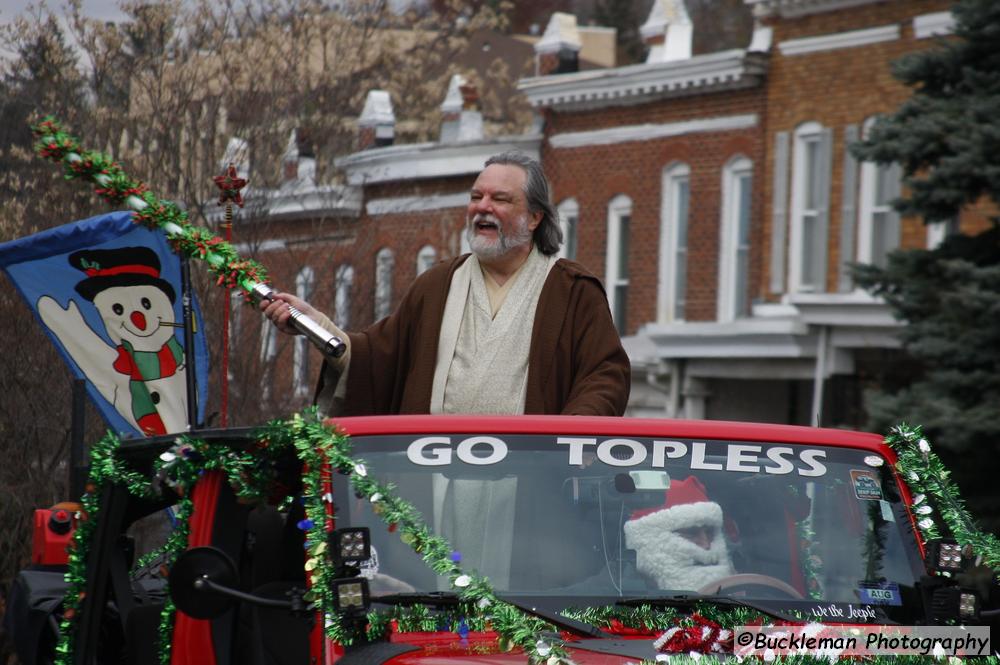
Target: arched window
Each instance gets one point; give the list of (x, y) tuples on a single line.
[(734, 241), (385, 262), (426, 257), (810, 208), (616, 275), (675, 197), (878, 222), (569, 218), (342, 295), (300, 357)]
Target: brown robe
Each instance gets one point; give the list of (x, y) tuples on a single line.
[(576, 364)]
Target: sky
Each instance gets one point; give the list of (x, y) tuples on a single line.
[(106, 10)]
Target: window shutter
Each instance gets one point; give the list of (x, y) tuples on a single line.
[(848, 211), (823, 205), (779, 212)]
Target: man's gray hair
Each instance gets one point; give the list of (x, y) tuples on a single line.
[(548, 236)]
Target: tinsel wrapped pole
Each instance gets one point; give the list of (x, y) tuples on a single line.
[(229, 185), (115, 186)]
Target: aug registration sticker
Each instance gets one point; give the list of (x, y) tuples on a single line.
[(866, 485), (879, 593)]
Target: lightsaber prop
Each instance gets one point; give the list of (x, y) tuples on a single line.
[(323, 339), (116, 187)]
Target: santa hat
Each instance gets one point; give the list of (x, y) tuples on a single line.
[(686, 505)]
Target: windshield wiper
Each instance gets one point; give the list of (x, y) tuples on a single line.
[(436, 598), (451, 599), (559, 621), (689, 599)]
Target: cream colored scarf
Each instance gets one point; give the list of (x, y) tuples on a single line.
[(482, 361)]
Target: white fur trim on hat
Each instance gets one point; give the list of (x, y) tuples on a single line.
[(683, 516)]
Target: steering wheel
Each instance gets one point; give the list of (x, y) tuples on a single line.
[(748, 580)]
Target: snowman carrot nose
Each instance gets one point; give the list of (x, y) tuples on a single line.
[(138, 320)]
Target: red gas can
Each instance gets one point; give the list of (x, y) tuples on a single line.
[(54, 529)]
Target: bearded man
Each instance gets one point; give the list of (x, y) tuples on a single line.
[(680, 545), (507, 329)]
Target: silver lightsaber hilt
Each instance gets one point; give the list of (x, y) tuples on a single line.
[(323, 339)]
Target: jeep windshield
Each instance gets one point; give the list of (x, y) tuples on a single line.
[(573, 521)]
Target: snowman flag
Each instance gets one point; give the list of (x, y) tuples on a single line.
[(108, 293)]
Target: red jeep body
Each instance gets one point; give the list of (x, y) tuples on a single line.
[(814, 520)]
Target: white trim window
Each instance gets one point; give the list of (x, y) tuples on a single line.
[(810, 208), (426, 257), (878, 221), (619, 220), (385, 263), (300, 353), (343, 288), (675, 199), (569, 220), (734, 247)]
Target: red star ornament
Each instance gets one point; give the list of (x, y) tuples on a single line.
[(229, 186)]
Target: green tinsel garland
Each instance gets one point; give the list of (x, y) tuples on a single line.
[(115, 186), (104, 467), (930, 482), (249, 473), (319, 449)]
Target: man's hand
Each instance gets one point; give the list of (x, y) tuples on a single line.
[(279, 314)]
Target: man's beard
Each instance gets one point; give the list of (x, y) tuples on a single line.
[(674, 562), (486, 248)]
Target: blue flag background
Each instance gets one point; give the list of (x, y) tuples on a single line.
[(129, 344)]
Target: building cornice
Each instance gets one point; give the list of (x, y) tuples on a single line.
[(794, 8), (650, 131), (933, 25), (839, 40), (298, 201), (407, 204), (430, 160), (600, 88)]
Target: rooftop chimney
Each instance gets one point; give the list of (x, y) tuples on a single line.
[(460, 116), (667, 32), (237, 153), (297, 164), (557, 52), (377, 124)]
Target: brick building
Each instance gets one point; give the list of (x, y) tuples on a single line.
[(712, 192)]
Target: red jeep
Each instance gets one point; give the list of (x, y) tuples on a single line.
[(575, 521)]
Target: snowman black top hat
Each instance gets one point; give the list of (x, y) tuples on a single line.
[(124, 266)]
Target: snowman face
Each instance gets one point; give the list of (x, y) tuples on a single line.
[(140, 315)]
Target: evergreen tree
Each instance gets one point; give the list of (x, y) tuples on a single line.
[(947, 139), (947, 135)]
